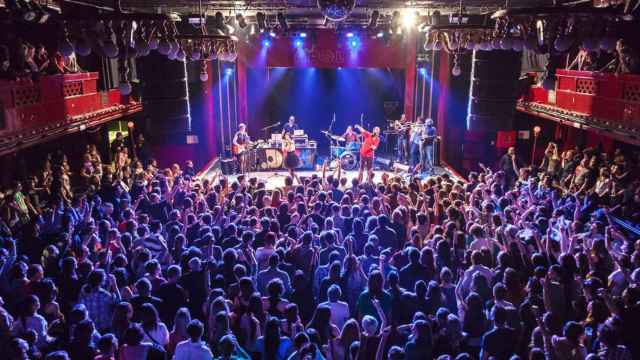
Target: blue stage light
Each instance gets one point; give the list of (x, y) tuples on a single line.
[(228, 71), (298, 43), (266, 42), (349, 34), (303, 34), (354, 43), (423, 71)]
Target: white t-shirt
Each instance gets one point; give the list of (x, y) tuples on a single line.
[(187, 350), (339, 312)]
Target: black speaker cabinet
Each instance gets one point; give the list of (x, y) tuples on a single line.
[(229, 166)]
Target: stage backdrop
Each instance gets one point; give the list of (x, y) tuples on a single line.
[(315, 96), (377, 79)]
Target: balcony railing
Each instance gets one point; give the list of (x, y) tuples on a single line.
[(600, 100), (32, 112)]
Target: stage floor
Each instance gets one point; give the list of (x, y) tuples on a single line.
[(275, 178)]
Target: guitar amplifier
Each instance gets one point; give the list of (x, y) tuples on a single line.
[(307, 158), (301, 141), (229, 166)]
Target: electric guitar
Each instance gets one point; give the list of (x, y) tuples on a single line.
[(237, 149)]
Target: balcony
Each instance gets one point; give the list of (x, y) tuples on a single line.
[(603, 102), (57, 105)]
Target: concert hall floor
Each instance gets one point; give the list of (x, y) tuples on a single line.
[(275, 179)]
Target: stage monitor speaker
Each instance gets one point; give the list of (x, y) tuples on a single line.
[(307, 158), (229, 166), (383, 163)]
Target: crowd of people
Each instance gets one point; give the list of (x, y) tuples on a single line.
[(124, 260), (22, 60)]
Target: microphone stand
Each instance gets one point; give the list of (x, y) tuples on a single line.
[(266, 128)]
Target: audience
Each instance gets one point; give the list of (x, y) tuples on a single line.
[(125, 260)]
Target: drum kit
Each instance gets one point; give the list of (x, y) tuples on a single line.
[(345, 154)]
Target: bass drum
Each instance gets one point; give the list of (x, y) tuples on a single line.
[(348, 161), (267, 159), (274, 159)]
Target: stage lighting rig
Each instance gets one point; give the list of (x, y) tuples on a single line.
[(242, 22), (282, 22), (261, 20)]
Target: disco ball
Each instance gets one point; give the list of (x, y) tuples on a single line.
[(336, 10)]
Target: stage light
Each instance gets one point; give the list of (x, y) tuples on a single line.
[(298, 43), (261, 20), (272, 34), (266, 43), (456, 71), (349, 34), (380, 34), (395, 19), (409, 18), (242, 22), (303, 34), (354, 43), (375, 16), (228, 71), (282, 21), (423, 71)]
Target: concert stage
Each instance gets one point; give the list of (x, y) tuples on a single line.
[(275, 179)]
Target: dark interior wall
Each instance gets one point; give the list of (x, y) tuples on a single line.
[(456, 97)]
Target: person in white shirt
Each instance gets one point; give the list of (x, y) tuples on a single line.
[(194, 348), (339, 309)]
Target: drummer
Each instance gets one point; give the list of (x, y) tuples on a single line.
[(351, 139)]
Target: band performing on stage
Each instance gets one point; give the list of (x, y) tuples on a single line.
[(408, 143)]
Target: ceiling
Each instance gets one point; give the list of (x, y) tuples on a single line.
[(298, 6)]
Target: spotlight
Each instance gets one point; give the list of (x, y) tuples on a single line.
[(354, 43), (303, 34), (298, 43), (261, 20), (204, 76), (282, 21), (242, 22), (272, 34), (349, 34), (266, 43), (456, 71), (220, 28), (375, 16), (423, 71), (395, 19), (228, 71), (380, 34), (409, 18)]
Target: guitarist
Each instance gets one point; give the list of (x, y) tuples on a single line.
[(240, 146), (426, 147)]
